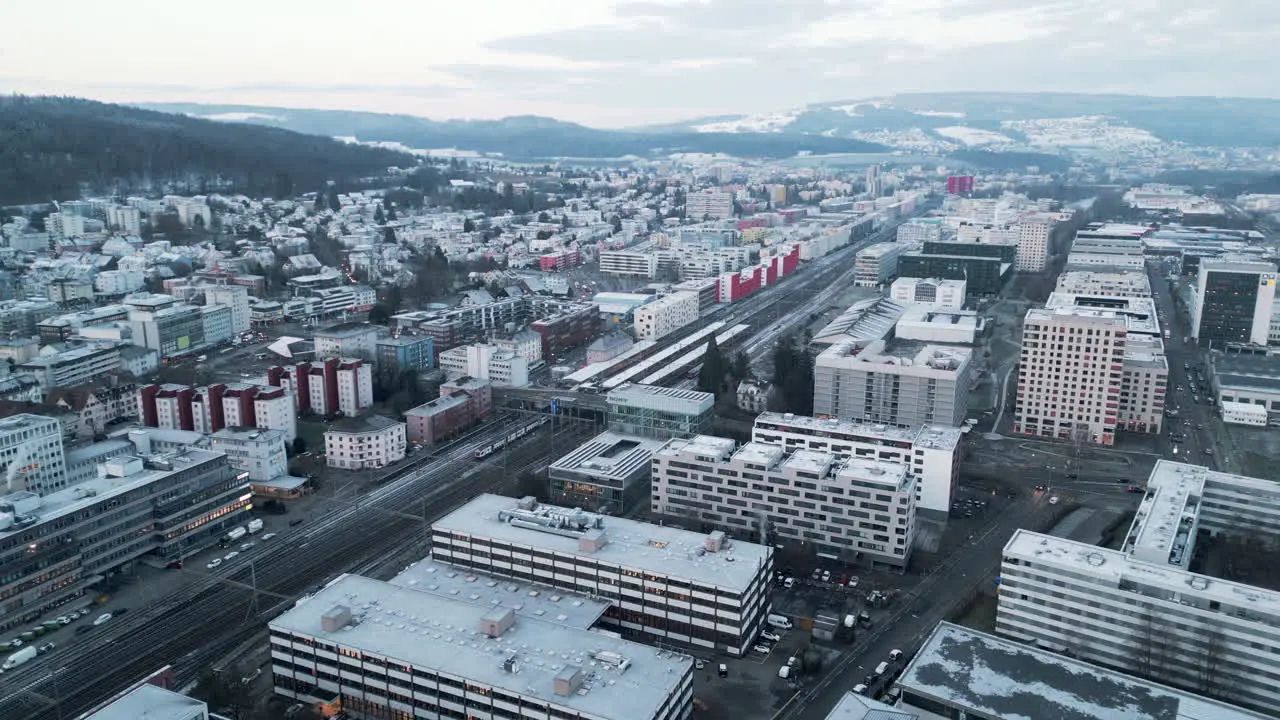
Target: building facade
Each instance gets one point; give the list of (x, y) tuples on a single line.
[(1234, 302), (608, 474), (77, 366), (852, 509), (900, 383), (667, 314), (659, 412), (260, 453), (32, 455), (365, 442), (877, 264), (487, 362), (1033, 244), (713, 204), (935, 292)]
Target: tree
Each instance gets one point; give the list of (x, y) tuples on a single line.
[(742, 366), (379, 216), (391, 212), (468, 225), (617, 224), (711, 377), (380, 314), (299, 445), (334, 203), (543, 217), (389, 236)]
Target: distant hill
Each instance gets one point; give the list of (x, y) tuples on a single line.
[(519, 138), (55, 148)]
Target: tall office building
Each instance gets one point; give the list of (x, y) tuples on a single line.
[(714, 204), (1234, 302), (873, 181), (1141, 609), (1033, 244), (897, 382)]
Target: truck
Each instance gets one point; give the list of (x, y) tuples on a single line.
[(254, 526), (20, 657), (235, 534)]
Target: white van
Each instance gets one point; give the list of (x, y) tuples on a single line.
[(881, 668), (894, 655), (779, 621)]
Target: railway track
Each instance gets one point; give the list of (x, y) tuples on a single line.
[(204, 620)]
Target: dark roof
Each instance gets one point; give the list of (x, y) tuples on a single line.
[(365, 423)]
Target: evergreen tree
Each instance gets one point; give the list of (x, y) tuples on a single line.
[(334, 204), (468, 225), (711, 377), (389, 236), (391, 212), (379, 216), (742, 366)]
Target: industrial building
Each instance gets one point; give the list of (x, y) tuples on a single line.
[(1141, 609), (929, 291), (1245, 379), (854, 509), (659, 412), (608, 474), (375, 649), (896, 382), (931, 452), (666, 585), (959, 672)]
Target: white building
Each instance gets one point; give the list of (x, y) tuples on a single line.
[(261, 453), (929, 291), (124, 219), (665, 315), (666, 584), (931, 452), (31, 454), (1139, 609), (355, 387), (362, 640), (525, 343), (1033, 244), (899, 383), (152, 702), (628, 263), (876, 264), (852, 508), (930, 325), (917, 232), (1239, 413), (119, 282), (77, 366), (235, 297), (349, 340), (356, 443), (713, 204), (63, 226), (1234, 302), (486, 362), (217, 324), (1134, 283)]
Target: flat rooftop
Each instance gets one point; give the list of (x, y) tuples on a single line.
[(810, 461), (899, 353), (1163, 528), (635, 393), (703, 445), (869, 319), (878, 472), (433, 632), (656, 549), (537, 602), (610, 455), (1005, 680), (931, 436), (858, 707), (149, 702), (1140, 312)]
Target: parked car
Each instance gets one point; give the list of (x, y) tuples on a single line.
[(214, 563), (268, 536), (102, 619), (771, 637), (1053, 500)]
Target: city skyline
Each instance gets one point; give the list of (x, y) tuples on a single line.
[(620, 63)]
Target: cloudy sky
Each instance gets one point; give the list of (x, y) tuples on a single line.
[(613, 63)]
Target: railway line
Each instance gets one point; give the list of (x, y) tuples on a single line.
[(204, 620)]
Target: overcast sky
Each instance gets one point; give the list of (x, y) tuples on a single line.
[(614, 63)]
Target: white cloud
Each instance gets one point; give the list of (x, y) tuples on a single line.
[(917, 24)]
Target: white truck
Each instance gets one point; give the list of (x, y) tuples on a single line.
[(235, 534), (254, 526), (22, 656)]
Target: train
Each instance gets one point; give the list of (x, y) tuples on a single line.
[(514, 435)]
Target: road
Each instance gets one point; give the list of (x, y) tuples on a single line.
[(197, 624)]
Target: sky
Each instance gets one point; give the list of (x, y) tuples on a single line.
[(618, 63)]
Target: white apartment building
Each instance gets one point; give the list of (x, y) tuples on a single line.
[(665, 584), (895, 382), (1234, 302), (665, 315), (1134, 283), (235, 297), (525, 343), (355, 387), (917, 232), (851, 509), (628, 263), (713, 204), (876, 264), (1139, 609), (119, 282), (277, 409), (348, 340), (216, 324), (392, 651), (31, 454), (932, 453), (261, 453), (77, 366), (124, 219), (357, 443), (935, 292), (1033, 244), (486, 362), (62, 226)]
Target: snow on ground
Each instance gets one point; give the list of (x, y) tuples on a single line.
[(937, 113), (401, 147), (240, 117), (973, 136), (913, 139), (1095, 131), (765, 122)]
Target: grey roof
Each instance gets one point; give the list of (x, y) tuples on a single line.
[(998, 678), (152, 703), (363, 424), (609, 455), (658, 549), (434, 632), (858, 707)]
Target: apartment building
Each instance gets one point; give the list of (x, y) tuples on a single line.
[(653, 411), (1140, 609), (487, 362), (851, 509), (96, 405), (216, 324), (1033, 244), (877, 264), (1133, 283), (931, 452), (397, 355), (335, 385), (260, 453), (899, 382), (31, 454), (209, 409), (235, 297), (76, 366), (384, 650), (917, 232), (708, 204), (53, 548), (608, 473), (665, 584), (357, 443), (1234, 302), (660, 318), (934, 292), (628, 263), (347, 340)]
